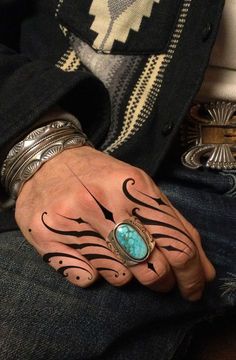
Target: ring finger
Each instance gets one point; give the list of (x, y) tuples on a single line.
[(154, 272)]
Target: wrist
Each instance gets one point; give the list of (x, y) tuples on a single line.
[(41, 145)]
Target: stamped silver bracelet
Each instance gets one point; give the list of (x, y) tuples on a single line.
[(17, 161), (39, 146), (30, 140)]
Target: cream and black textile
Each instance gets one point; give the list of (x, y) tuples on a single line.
[(128, 69)]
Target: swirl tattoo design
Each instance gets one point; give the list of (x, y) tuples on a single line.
[(63, 270), (89, 255), (147, 221), (103, 262)]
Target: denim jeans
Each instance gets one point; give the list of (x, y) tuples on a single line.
[(42, 316)]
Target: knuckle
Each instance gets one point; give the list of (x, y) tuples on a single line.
[(121, 281), (193, 287), (195, 234), (163, 271), (183, 258), (62, 207), (86, 200), (35, 219), (40, 236), (138, 174), (149, 279), (81, 279)]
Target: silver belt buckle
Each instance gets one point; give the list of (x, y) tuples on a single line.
[(210, 132)]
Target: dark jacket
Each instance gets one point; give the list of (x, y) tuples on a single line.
[(168, 41)]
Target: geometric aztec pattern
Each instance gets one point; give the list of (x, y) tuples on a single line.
[(69, 61), (115, 72), (113, 20), (131, 106)]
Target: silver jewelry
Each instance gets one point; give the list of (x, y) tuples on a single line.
[(42, 144), (211, 133), (131, 242)]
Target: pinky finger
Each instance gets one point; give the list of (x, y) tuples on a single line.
[(71, 264), (208, 268)]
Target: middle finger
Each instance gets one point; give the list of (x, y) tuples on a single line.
[(155, 272)]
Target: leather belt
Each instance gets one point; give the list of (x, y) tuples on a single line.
[(210, 135)]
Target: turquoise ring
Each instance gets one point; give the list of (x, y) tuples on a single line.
[(131, 242)]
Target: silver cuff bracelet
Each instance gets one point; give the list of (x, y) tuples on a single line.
[(39, 146)]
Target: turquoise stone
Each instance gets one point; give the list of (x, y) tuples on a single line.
[(131, 241)]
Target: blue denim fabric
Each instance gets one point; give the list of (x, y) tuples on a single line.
[(207, 198), (43, 317)]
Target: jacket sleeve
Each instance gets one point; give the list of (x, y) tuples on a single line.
[(29, 87)]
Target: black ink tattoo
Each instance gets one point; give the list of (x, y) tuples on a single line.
[(48, 257), (151, 267), (84, 245), (159, 200), (116, 273), (78, 234), (100, 256), (93, 256), (140, 202), (90, 256), (147, 221), (172, 248), (164, 236), (106, 212), (78, 220), (62, 270)]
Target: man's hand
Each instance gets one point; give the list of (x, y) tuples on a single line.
[(68, 208)]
